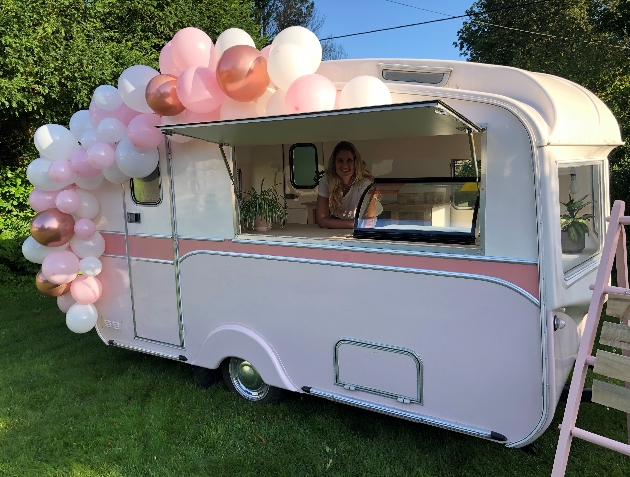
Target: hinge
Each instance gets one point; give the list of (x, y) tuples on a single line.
[(403, 400)]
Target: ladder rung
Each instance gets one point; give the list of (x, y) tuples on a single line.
[(601, 440), (624, 220), (615, 290)]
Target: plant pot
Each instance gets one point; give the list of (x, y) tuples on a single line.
[(569, 246), (261, 225)]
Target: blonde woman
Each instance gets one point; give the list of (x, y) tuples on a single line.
[(341, 187)]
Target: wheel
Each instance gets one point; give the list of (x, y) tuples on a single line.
[(206, 377), (241, 378)]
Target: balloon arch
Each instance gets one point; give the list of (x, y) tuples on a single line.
[(116, 139)]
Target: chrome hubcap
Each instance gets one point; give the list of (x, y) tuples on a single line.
[(246, 380)]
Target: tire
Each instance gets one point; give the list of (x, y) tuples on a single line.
[(206, 377), (242, 379)]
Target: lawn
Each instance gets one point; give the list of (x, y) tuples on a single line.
[(71, 406)]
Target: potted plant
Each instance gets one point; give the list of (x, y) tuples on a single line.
[(260, 210), (574, 228)]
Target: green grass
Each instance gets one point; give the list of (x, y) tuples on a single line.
[(71, 406)]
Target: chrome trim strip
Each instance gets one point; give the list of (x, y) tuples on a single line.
[(133, 308), (418, 418), (152, 260), (201, 239), (419, 271), (152, 236), (161, 343), (111, 232), (98, 332), (111, 255), (143, 350), (381, 347)]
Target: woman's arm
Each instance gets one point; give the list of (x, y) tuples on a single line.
[(323, 216)]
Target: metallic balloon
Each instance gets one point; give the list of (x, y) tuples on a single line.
[(52, 227), (161, 95), (49, 288), (242, 73)]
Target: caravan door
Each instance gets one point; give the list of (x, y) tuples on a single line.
[(151, 253)]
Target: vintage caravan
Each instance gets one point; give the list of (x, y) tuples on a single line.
[(458, 305)]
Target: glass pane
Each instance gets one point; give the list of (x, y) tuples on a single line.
[(420, 210), (303, 166), (580, 213), (146, 190)]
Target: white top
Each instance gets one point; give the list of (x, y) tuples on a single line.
[(350, 201)]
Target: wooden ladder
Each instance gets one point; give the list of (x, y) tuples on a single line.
[(616, 335)]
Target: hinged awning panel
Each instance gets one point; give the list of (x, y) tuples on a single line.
[(428, 118)]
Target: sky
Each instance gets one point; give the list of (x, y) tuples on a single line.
[(432, 41)]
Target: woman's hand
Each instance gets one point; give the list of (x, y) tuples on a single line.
[(322, 213)]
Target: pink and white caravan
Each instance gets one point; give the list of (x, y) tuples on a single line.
[(459, 305)]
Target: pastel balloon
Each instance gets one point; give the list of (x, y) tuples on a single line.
[(80, 122), (81, 318), (81, 166), (90, 266), (265, 51), (84, 228), (276, 104), (142, 132), (179, 119), (55, 142), (167, 65), (88, 207), (190, 47), (242, 73), (198, 90), (89, 138), (310, 93), (304, 38), (123, 113), (61, 171), (132, 85), (364, 91), (52, 228), (231, 109), (100, 155), (287, 62), (93, 246), (68, 201), (37, 174), (61, 266), (65, 301), (192, 117), (161, 95), (86, 290), (40, 199), (48, 288), (90, 183), (232, 37), (107, 97), (111, 130), (114, 175), (135, 162), (35, 252)]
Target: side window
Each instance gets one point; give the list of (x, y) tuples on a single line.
[(303, 166), (147, 190)]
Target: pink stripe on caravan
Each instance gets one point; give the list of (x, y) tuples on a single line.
[(140, 247), (114, 244)]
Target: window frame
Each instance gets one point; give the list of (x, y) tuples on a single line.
[(291, 174), (147, 204)]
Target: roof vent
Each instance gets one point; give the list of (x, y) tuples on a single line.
[(424, 75)]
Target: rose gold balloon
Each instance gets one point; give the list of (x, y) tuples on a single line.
[(161, 95), (52, 227), (242, 73), (49, 288)]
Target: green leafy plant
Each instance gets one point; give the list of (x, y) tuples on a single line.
[(575, 226), (265, 205)]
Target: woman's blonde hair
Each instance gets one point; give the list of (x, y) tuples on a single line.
[(335, 189)]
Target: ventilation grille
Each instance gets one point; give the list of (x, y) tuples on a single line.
[(424, 75)]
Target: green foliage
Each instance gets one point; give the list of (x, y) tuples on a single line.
[(575, 226), (265, 205)]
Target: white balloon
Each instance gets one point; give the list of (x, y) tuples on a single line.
[(111, 130), (90, 266), (81, 318), (90, 247), (276, 105), (107, 97), (304, 38), (37, 174), (65, 301), (179, 119), (231, 109), (89, 138), (286, 63), (114, 175), (364, 91), (89, 205), (80, 122), (232, 37), (261, 103), (55, 142), (35, 252), (90, 183), (132, 85), (136, 162)]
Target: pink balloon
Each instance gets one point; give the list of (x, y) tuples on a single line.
[(142, 133), (81, 166), (198, 90), (61, 170), (68, 201), (123, 113), (310, 93), (61, 266), (167, 65), (191, 47), (265, 51), (101, 155), (192, 117), (41, 200), (84, 228), (86, 290)]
